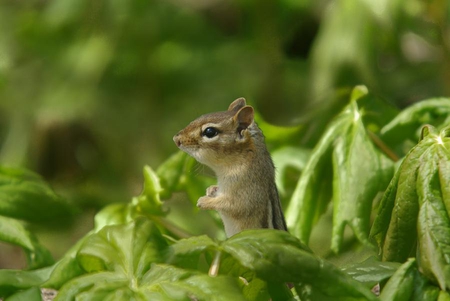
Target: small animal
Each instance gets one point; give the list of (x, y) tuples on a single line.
[(232, 145)]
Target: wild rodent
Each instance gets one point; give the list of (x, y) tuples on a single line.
[(232, 145)]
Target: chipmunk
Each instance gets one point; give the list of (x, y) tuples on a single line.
[(232, 145)]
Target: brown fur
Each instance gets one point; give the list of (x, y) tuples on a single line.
[(246, 196)]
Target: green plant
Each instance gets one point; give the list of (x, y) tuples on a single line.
[(135, 252)]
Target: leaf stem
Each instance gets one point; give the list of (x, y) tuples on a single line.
[(378, 142), (171, 227), (214, 269)]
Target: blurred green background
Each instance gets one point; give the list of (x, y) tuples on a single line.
[(91, 91)]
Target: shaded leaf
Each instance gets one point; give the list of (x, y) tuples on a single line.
[(407, 123), (12, 231), (371, 271), (401, 285), (14, 280), (31, 294), (24, 195)]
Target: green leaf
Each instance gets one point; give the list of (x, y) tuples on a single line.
[(277, 256), (149, 202), (401, 285), (433, 221), (170, 173), (31, 294), (418, 215), (12, 231), (309, 199), (178, 173), (114, 214), (14, 280), (407, 123), (114, 261), (285, 158), (443, 296), (24, 196), (278, 135), (92, 283), (371, 271), (129, 248), (186, 252), (176, 284), (394, 227), (358, 172)]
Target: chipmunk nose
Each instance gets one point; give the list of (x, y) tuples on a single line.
[(177, 140)]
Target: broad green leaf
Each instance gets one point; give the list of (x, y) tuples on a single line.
[(129, 248), (170, 173), (277, 256), (418, 214), (443, 296), (285, 158), (433, 221), (114, 261), (278, 135), (67, 267), (14, 280), (31, 294), (176, 284), (371, 271), (92, 282), (182, 173), (312, 192), (186, 252), (394, 227), (357, 173), (114, 214), (407, 123), (24, 196), (149, 202), (401, 285), (12, 231)]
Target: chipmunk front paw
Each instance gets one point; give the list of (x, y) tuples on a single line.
[(204, 202), (212, 190)]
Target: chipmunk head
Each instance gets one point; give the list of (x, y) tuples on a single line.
[(216, 139)]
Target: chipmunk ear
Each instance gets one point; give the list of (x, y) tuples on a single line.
[(237, 105), (244, 117)]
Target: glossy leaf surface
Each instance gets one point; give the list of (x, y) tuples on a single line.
[(346, 167)]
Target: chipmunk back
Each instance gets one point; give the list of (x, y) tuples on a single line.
[(233, 146)]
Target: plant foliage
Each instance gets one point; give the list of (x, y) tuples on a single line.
[(135, 253)]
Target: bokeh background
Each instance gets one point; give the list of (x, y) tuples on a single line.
[(92, 90)]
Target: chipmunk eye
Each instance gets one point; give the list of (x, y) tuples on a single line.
[(210, 132)]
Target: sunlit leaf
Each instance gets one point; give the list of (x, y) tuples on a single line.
[(129, 248), (357, 173), (176, 284), (149, 202)]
